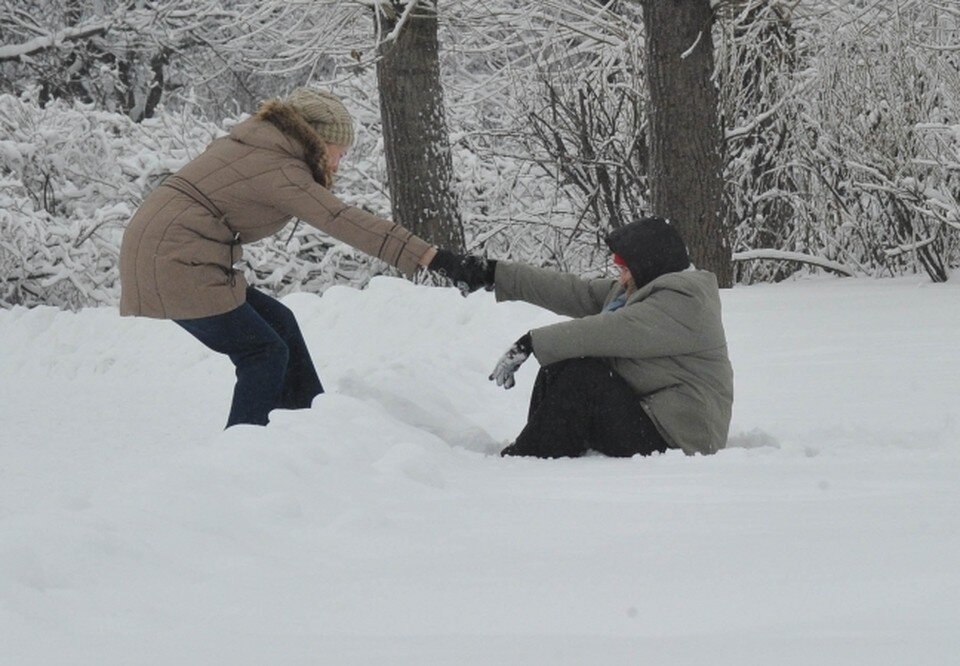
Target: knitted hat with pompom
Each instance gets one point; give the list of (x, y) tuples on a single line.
[(327, 114)]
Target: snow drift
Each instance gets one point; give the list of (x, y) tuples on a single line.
[(381, 527)]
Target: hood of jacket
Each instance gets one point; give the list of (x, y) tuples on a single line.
[(651, 247), (297, 137)]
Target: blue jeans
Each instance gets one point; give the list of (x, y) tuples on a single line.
[(274, 369)]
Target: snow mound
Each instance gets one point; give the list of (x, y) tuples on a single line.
[(381, 526)]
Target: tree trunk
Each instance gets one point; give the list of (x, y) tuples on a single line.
[(686, 142), (415, 140)]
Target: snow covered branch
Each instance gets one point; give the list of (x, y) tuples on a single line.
[(401, 22), (909, 247), (841, 120), (797, 257), (765, 116), (41, 42)]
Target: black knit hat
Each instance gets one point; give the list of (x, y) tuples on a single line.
[(650, 247)]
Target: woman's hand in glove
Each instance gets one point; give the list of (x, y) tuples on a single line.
[(511, 361), (468, 272)]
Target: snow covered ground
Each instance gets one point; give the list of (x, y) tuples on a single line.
[(379, 528)]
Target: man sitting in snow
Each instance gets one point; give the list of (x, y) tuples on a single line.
[(643, 365)]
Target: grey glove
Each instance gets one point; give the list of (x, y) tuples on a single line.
[(510, 362)]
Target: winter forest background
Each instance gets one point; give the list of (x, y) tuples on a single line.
[(795, 142), (838, 126)]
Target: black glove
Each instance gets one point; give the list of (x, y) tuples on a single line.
[(511, 361), (468, 272)]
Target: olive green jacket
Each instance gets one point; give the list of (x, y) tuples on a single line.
[(667, 342)]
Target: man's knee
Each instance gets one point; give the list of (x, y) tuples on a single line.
[(584, 370)]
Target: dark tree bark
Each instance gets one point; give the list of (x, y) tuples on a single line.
[(157, 64), (686, 141), (415, 139)]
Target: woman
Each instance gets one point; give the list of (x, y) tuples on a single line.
[(178, 252), (641, 367)]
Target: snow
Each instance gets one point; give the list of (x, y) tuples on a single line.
[(380, 527)]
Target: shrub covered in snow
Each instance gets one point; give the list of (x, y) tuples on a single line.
[(70, 178), (842, 141), (843, 136)]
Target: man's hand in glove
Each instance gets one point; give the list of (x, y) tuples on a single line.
[(467, 272), (509, 363)]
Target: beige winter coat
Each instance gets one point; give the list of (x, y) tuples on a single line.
[(179, 250), (667, 342)]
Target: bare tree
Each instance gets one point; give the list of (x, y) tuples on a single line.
[(686, 160), (417, 147), (590, 151)]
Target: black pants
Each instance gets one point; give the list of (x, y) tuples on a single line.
[(582, 404), (274, 368)]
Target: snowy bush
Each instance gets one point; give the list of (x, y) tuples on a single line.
[(567, 154), (841, 138), (884, 176), (842, 124), (70, 178)]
